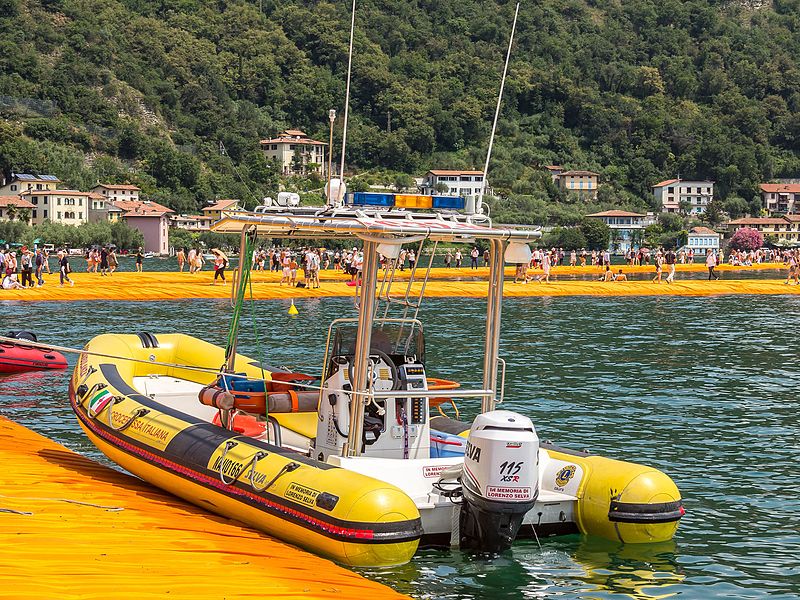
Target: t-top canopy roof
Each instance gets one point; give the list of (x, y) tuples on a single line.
[(349, 223)]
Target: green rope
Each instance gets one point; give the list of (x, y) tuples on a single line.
[(259, 352), (237, 307)]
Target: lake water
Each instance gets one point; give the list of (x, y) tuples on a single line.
[(705, 389)]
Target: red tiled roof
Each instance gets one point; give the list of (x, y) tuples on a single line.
[(438, 172), (667, 182), (776, 188), (298, 141), (118, 186), (220, 205), (616, 213), (590, 173), (554, 168), (16, 201), (141, 208), (703, 231), (760, 221), (792, 218)]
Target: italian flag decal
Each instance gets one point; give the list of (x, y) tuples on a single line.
[(99, 402)]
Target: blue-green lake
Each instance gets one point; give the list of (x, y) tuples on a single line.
[(705, 389)]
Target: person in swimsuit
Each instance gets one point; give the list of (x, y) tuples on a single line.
[(139, 260)]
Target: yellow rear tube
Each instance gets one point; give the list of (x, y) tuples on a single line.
[(627, 502)]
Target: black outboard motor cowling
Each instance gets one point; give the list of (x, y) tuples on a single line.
[(22, 335), (500, 480)]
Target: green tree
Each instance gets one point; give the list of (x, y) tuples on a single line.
[(402, 182), (596, 233), (569, 238)]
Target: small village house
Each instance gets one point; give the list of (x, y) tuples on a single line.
[(151, 218), (25, 182), (296, 153), (14, 208), (214, 211), (582, 183), (458, 183), (780, 198), (785, 229), (627, 228), (702, 240), (191, 222), (693, 196)]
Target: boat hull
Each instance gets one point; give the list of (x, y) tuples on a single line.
[(20, 359), (348, 517)]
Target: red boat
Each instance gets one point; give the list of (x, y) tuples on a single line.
[(18, 358)]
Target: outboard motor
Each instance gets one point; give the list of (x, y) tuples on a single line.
[(500, 480)]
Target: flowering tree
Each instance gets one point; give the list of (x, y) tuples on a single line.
[(747, 239)]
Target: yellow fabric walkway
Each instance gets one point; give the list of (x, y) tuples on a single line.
[(71, 528), (176, 286)]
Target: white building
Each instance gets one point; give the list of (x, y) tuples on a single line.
[(626, 228), (783, 198), (673, 192), (191, 222), (702, 240), (105, 194), (459, 183), (296, 153), (25, 182)]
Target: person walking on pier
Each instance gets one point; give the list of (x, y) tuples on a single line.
[(26, 267), (669, 259), (139, 259), (659, 263), (181, 256), (39, 261), (63, 263), (104, 261), (458, 259), (711, 263), (474, 255)]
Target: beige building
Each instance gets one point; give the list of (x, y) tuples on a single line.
[(70, 207), (25, 182), (781, 228), (13, 208), (296, 153), (582, 183), (781, 197), (695, 195), (214, 211)]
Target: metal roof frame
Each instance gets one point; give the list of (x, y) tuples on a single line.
[(346, 223)]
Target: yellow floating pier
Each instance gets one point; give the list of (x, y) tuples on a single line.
[(71, 528), (177, 286)]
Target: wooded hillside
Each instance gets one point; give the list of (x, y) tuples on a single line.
[(639, 91)]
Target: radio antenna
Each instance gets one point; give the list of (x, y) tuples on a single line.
[(479, 203)]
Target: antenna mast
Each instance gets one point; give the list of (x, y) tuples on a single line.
[(479, 203), (346, 103)]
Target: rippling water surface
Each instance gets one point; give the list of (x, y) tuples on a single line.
[(705, 389)]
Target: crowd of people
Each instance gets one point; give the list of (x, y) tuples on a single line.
[(24, 268)]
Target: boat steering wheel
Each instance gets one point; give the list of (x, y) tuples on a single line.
[(377, 355)]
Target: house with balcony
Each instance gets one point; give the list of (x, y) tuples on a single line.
[(296, 153), (582, 183), (693, 196), (191, 222), (702, 240), (26, 182), (14, 208), (151, 218), (458, 183), (780, 198), (627, 228), (785, 229)]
